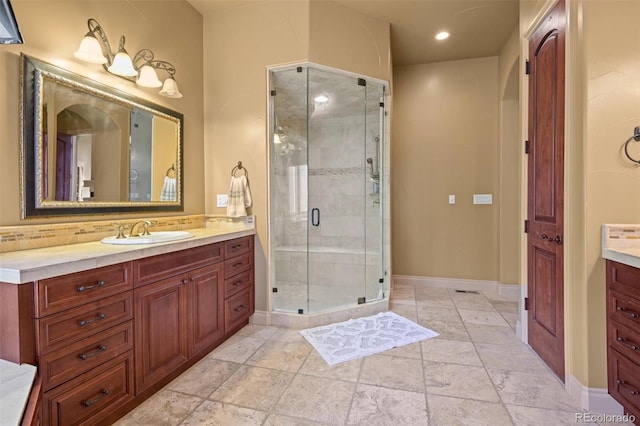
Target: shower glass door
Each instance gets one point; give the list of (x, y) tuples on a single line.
[(336, 153), (326, 189)]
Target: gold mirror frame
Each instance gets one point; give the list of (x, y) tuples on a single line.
[(34, 74)]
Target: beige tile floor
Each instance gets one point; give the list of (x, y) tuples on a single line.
[(476, 372)]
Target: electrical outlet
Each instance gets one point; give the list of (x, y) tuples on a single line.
[(221, 200), (452, 199)]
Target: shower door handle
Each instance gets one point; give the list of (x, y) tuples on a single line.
[(315, 217)]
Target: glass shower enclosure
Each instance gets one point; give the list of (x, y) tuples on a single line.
[(326, 189)]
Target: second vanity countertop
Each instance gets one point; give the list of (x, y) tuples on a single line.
[(621, 243), (19, 267)]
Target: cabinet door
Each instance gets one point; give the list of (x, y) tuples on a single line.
[(161, 330), (206, 297)]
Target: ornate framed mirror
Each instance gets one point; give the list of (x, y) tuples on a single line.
[(90, 149)]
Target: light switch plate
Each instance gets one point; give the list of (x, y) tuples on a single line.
[(221, 200), (482, 199), (452, 199)]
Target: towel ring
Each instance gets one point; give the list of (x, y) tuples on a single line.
[(171, 169), (239, 167), (635, 137)]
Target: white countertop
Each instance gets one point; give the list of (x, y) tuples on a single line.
[(19, 267), (15, 385), (621, 243)]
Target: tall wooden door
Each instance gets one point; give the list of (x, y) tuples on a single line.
[(546, 189)]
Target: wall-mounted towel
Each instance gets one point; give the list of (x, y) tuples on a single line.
[(239, 196), (168, 189)]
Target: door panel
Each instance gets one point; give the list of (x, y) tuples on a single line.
[(546, 190)]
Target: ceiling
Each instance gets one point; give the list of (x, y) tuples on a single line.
[(478, 28)]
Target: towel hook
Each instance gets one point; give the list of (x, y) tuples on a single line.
[(239, 167), (635, 137)]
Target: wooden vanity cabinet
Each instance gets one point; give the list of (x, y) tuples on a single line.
[(623, 335), (84, 343), (106, 339), (176, 318)]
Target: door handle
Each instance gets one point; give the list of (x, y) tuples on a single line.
[(315, 217), (557, 239)]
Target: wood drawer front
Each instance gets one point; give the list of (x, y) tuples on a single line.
[(155, 268), (91, 396), (68, 291), (59, 330), (624, 340), (238, 283), (59, 366), (623, 309), (238, 264), (623, 278), (237, 309), (624, 382), (238, 246)]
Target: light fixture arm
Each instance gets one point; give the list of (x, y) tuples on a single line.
[(96, 30)]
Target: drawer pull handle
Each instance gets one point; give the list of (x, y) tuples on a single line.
[(235, 265), (100, 316), (624, 385), (89, 287), (239, 308), (104, 393), (628, 312), (629, 345), (101, 349), (235, 246), (236, 283)]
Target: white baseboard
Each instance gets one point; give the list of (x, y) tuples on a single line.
[(593, 400), (508, 291)]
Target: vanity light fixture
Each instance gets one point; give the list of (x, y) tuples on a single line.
[(442, 35), (95, 48)]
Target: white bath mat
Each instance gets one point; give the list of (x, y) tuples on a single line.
[(355, 338)]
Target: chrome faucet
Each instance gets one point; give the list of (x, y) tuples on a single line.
[(134, 232)]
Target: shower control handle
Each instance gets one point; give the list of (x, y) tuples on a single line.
[(315, 217)]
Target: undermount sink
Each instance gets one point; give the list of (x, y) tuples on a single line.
[(153, 238)]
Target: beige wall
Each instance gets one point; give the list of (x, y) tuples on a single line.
[(445, 141), (241, 41), (52, 31), (510, 149), (612, 110)]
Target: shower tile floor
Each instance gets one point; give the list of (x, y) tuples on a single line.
[(477, 372)]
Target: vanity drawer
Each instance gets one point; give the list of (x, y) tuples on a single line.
[(91, 396), (238, 283), (71, 290), (238, 309), (238, 246), (238, 264), (624, 382), (59, 330), (59, 366), (623, 278), (623, 309), (159, 267)]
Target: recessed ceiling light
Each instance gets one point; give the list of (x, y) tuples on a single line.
[(442, 35), (322, 99)]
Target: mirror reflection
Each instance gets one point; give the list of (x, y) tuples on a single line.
[(99, 150)]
